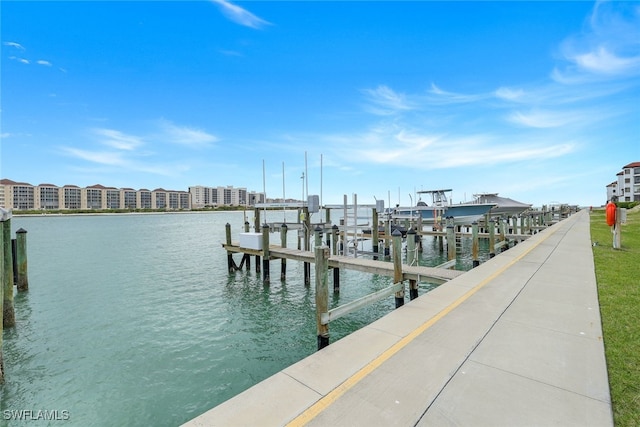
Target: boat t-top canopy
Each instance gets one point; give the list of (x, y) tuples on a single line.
[(438, 197)]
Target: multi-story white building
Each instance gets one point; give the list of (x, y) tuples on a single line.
[(24, 196), (202, 196), (626, 187)]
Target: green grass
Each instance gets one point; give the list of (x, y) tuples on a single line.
[(618, 278)]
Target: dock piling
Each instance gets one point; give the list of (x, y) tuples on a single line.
[(8, 312), (451, 242), (283, 243), (265, 253), (22, 283), (492, 238), (411, 254), (397, 265), (322, 294), (474, 244)]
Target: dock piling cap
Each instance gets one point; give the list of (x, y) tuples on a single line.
[(5, 214)]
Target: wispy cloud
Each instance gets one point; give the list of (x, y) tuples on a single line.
[(385, 101), (23, 60), (110, 158), (14, 44), (552, 119), (118, 140), (241, 16), (184, 135), (43, 62), (608, 47)]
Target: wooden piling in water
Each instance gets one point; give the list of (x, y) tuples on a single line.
[(397, 265), (283, 244), (322, 294), (451, 242), (22, 282), (306, 227), (256, 227), (265, 254), (411, 252), (8, 313), (336, 270), (387, 233), (474, 244), (492, 238), (230, 267), (375, 239)]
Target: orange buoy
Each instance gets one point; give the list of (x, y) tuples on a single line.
[(611, 214)]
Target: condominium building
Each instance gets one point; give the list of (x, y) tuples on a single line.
[(626, 187), (24, 196), (202, 196)]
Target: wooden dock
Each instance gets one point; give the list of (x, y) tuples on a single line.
[(383, 268)]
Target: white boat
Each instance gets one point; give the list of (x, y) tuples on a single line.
[(504, 206), (441, 208)]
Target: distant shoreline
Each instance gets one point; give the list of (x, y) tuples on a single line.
[(98, 213)]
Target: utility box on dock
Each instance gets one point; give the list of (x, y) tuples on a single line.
[(251, 241)]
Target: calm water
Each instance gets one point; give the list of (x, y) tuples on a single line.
[(133, 319)]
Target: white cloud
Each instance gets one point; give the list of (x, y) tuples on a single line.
[(101, 157), (14, 44), (386, 101), (43, 62), (549, 119), (186, 136), (241, 16), (601, 61), (118, 140), (509, 94), (609, 46)]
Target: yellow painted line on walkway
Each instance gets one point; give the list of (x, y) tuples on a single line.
[(314, 410)]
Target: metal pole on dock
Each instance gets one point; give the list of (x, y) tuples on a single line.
[(8, 313), (474, 244), (397, 265), (283, 243), (265, 253), (492, 238), (411, 253), (22, 283), (322, 294)]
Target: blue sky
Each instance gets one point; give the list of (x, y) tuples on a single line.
[(538, 101)]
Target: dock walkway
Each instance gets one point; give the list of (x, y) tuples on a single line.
[(430, 274), (516, 341)]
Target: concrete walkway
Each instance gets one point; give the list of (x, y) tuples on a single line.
[(516, 341)]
